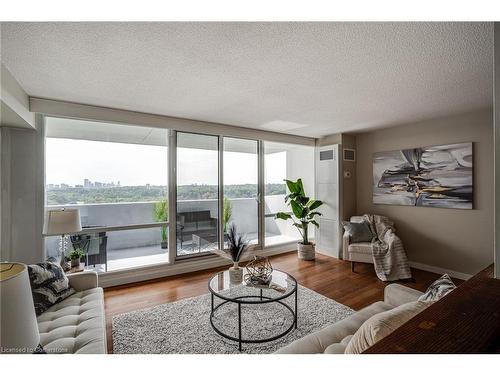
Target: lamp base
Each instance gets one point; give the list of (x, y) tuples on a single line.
[(63, 263)]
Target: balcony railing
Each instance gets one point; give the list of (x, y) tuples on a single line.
[(133, 239)]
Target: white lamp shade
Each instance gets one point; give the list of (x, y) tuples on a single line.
[(62, 221), (19, 328)]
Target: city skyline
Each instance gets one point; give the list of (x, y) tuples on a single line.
[(98, 184), (68, 160), (87, 183)]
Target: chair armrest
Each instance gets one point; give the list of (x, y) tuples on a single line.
[(396, 294), (83, 280), (346, 239)]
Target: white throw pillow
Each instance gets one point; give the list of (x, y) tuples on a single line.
[(438, 289), (382, 324)]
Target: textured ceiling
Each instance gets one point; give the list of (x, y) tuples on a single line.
[(308, 79)]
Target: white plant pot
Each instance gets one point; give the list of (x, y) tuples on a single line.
[(235, 274), (306, 252)]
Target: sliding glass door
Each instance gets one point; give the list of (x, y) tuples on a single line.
[(241, 198), (197, 228)]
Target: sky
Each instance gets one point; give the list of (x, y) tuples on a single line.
[(70, 161)]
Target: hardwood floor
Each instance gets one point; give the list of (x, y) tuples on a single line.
[(328, 276)]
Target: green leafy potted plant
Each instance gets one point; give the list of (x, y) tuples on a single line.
[(303, 214), (161, 214), (75, 255), (237, 244), (227, 212)]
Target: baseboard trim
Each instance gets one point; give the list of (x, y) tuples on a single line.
[(122, 277), (440, 270), (116, 278)]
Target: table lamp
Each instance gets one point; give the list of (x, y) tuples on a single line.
[(19, 328), (63, 222)]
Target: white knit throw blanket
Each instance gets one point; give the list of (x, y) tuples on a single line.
[(389, 256)]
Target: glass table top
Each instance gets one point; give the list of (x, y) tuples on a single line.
[(281, 286)]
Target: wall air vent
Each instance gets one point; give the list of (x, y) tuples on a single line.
[(326, 155), (349, 154)]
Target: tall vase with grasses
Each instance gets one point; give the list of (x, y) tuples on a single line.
[(237, 244)]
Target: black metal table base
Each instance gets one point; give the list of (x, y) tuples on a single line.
[(244, 300)]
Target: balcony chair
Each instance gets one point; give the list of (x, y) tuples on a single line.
[(199, 223), (94, 245)]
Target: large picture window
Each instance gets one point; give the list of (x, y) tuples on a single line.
[(117, 177), (284, 161)]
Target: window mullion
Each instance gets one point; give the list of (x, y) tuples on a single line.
[(221, 193)]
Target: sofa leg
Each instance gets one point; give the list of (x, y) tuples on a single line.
[(352, 266)]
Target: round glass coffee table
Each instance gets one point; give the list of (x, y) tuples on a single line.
[(281, 287)]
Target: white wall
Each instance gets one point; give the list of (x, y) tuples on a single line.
[(21, 175), (22, 195), (14, 102)]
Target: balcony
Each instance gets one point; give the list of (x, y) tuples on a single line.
[(140, 247)]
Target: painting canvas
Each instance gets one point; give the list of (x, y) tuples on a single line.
[(436, 176)]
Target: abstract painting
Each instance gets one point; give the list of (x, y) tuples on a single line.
[(436, 176)]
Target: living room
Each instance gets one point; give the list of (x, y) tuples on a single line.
[(249, 188)]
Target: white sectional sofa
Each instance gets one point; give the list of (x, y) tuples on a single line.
[(76, 324), (334, 338)]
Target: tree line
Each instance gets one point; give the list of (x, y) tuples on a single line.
[(117, 194)]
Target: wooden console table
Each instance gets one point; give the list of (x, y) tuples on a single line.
[(467, 320)]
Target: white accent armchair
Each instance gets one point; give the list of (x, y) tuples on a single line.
[(356, 252)]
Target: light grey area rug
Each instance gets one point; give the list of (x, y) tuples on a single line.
[(184, 326)]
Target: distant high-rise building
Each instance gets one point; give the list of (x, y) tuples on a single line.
[(87, 183)]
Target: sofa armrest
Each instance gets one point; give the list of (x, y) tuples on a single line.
[(83, 280), (396, 294), (346, 238)]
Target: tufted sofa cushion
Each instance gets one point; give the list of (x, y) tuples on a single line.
[(75, 325)]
